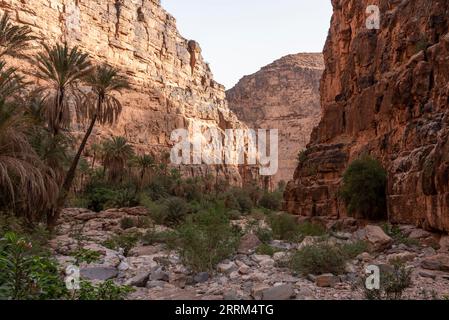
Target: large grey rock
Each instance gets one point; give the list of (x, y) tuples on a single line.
[(438, 262), (139, 280), (282, 292), (201, 277), (159, 275), (99, 273)]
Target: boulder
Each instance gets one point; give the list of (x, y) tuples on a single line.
[(159, 275), (249, 243), (227, 268), (99, 273), (376, 238), (140, 280), (438, 262), (201, 277)]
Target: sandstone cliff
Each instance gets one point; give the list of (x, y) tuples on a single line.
[(384, 92), (283, 95), (172, 86)]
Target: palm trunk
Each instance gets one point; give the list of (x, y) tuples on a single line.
[(52, 219)]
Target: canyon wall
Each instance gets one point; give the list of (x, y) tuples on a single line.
[(384, 92), (283, 95), (172, 85)]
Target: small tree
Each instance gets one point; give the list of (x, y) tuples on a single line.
[(364, 188)]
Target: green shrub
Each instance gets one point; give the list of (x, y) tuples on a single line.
[(353, 249), (265, 249), (265, 235), (124, 197), (152, 237), (126, 223), (284, 227), (25, 275), (125, 241), (176, 210), (311, 229), (107, 290), (364, 188), (271, 200), (319, 259), (206, 239), (392, 283), (86, 255), (239, 199)]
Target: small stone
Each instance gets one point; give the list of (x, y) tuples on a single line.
[(257, 291), (234, 275), (244, 270), (402, 257), (365, 257), (159, 275), (123, 266), (201, 277), (227, 268), (327, 280), (281, 292), (418, 234)]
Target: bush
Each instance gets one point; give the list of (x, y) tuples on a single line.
[(319, 259), (352, 250), (126, 223), (271, 201), (265, 235), (124, 197), (364, 188), (238, 199), (125, 241), (85, 255), (107, 290), (392, 284), (152, 237), (207, 239), (284, 227), (267, 250), (311, 229), (26, 276), (175, 211)]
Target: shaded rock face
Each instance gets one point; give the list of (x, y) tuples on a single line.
[(172, 86), (283, 95), (383, 92)]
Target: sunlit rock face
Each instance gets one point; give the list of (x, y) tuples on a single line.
[(172, 85), (383, 92), (283, 95)]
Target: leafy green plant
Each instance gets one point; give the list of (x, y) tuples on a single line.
[(353, 249), (284, 227), (107, 290), (311, 229), (264, 234), (364, 188), (25, 275), (206, 239), (318, 259), (86, 256), (265, 249), (271, 200), (125, 241), (126, 223), (152, 237)]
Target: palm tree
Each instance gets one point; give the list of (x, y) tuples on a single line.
[(13, 39), (117, 152), (62, 69), (21, 170), (145, 163)]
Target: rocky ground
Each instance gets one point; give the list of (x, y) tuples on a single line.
[(158, 273)]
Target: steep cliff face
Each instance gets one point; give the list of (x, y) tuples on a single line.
[(172, 86), (283, 95), (384, 92)]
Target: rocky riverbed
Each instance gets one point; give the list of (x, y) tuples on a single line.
[(157, 272)]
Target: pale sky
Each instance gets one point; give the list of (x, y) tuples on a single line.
[(238, 37)]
